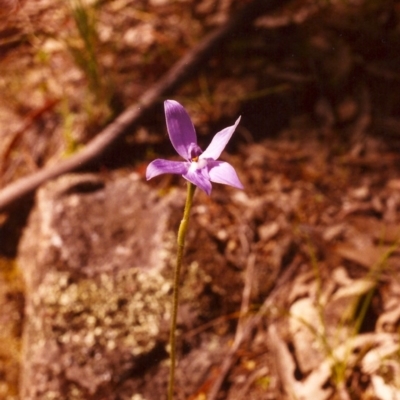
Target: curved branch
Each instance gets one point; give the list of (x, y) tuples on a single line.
[(179, 72)]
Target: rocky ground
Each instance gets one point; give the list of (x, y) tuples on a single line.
[(290, 287)]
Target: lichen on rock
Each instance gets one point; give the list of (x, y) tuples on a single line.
[(98, 302)]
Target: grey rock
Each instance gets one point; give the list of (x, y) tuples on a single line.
[(93, 257)]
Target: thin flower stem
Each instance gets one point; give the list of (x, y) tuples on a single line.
[(181, 243)]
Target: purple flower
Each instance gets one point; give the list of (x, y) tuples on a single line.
[(200, 167)]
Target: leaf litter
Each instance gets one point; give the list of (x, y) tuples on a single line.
[(315, 234)]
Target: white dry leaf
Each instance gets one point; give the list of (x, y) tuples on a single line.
[(333, 232), (305, 328), (314, 385), (382, 364), (382, 390), (268, 231), (360, 193), (155, 3), (141, 36), (376, 357), (357, 288), (343, 304), (51, 46), (137, 396)]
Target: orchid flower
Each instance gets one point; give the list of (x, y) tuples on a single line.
[(200, 167)]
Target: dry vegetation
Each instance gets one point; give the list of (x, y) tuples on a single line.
[(312, 243)]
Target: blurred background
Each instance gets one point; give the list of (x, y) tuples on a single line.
[(314, 77)]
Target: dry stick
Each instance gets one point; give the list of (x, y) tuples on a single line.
[(185, 67)]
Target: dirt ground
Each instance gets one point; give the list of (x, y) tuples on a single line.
[(308, 306)]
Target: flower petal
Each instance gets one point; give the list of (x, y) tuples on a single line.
[(222, 172), (219, 142), (200, 179), (158, 167), (180, 128)]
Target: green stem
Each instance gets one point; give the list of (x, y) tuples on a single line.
[(181, 243)]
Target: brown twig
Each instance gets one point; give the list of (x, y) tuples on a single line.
[(184, 68)]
